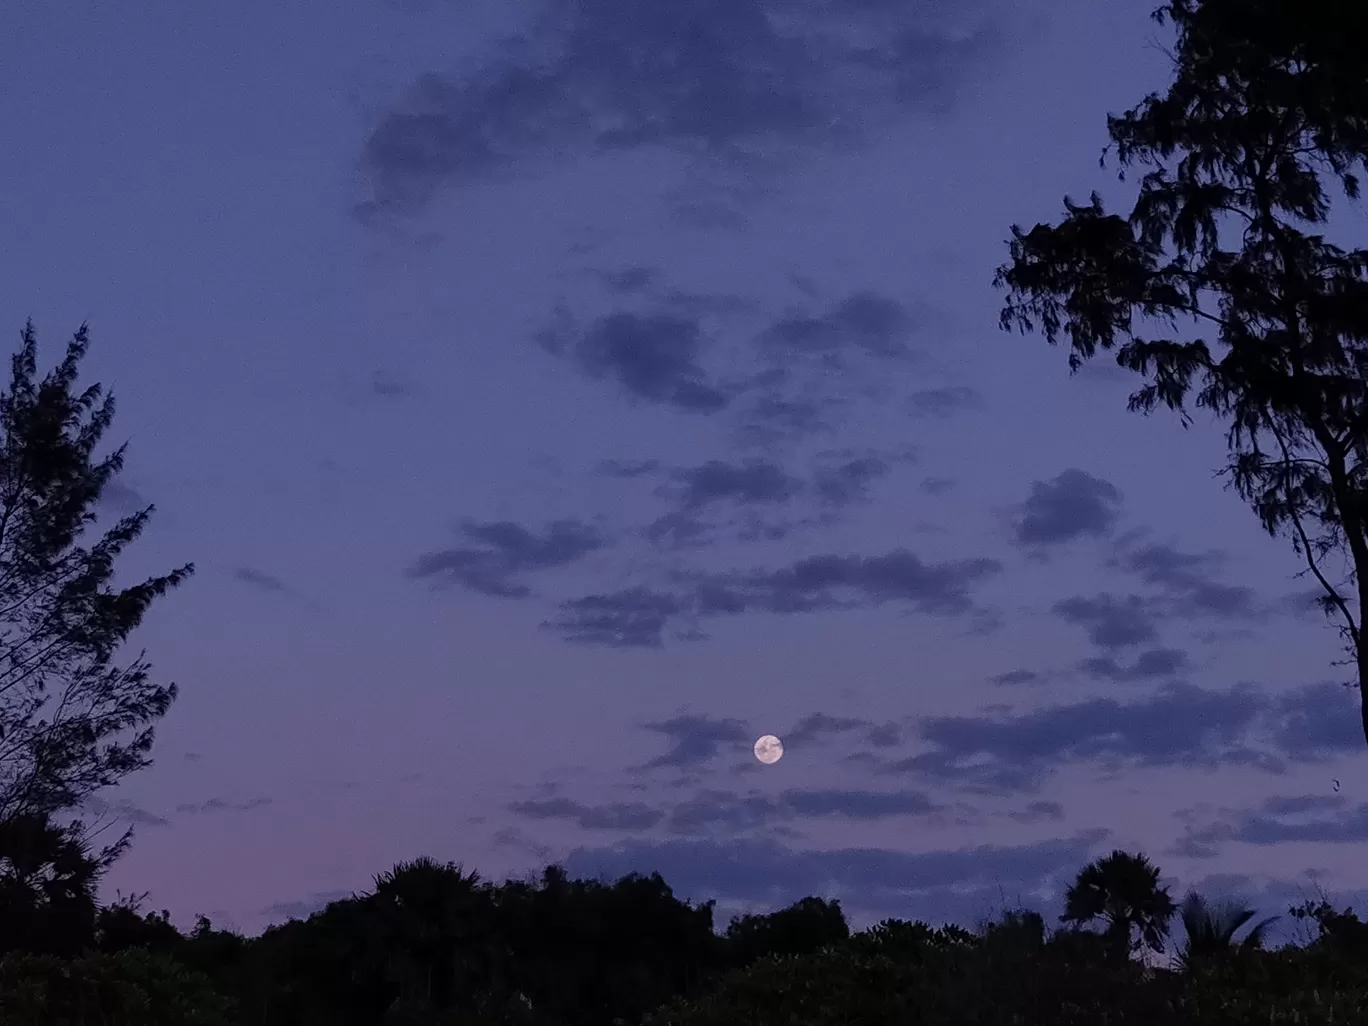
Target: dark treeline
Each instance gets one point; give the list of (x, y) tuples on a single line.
[(431, 944)]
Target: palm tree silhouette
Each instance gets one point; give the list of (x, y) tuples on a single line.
[(430, 916), (48, 879), (1123, 891), (1211, 930)]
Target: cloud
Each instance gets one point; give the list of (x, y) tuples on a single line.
[(1073, 505), (221, 805), (751, 482), (385, 386), (616, 816), (849, 482), (1188, 580), (680, 529), (697, 740), (722, 810), (639, 616), (831, 582), (726, 810), (628, 468), (122, 808), (1014, 677), (1282, 819), (1157, 662), (1185, 588), (754, 489), (885, 735), (631, 618), (858, 804), (629, 280), (653, 357), (507, 552), (938, 885), (1316, 720), (1112, 623), (817, 726), (773, 416), (1039, 812), (863, 321), (937, 485), (792, 379), (746, 486), (943, 402), (1293, 805), (260, 579), (718, 81), (1346, 827), (1181, 725)]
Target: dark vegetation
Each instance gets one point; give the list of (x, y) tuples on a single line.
[(1219, 289), (431, 944)]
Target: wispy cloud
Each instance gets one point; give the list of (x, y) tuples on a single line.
[(1157, 662), (944, 402), (1280, 819), (722, 83), (639, 616), (261, 580), (957, 884), (696, 740), (505, 553), (221, 805), (1181, 725)]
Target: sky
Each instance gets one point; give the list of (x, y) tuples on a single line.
[(555, 398)]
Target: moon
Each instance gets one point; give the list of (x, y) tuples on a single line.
[(769, 749)]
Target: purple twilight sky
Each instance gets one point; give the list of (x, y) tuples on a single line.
[(556, 398)]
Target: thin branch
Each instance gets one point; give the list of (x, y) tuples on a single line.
[(1310, 552)]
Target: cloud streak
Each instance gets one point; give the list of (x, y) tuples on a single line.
[(951, 884), (639, 616), (1180, 726), (505, 553), (725, 82)]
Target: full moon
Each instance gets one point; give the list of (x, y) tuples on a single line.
[(769, 749)]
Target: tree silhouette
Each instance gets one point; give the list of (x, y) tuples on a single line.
[(72, 719), (432, 919), (122, 924), (806, 926), (1122, 890), (48, 876), (1210, 930), (1219, 288)]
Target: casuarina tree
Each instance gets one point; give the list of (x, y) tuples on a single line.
[(76, 713), (1221, 288)]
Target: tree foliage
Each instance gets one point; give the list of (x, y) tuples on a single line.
[(1209, 930), (1123, 892), (434, 945), (48, 877), (1220, 288), (73, 717)]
